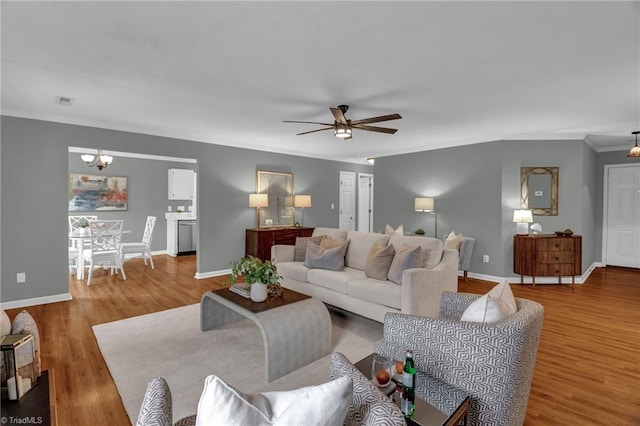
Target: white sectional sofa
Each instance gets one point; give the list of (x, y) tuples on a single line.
[(350, 289)]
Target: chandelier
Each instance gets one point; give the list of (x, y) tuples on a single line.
[(99, 161), (635, 151)]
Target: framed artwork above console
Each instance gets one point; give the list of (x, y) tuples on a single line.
[(279, 188)]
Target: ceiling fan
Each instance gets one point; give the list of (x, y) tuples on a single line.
[(342, 127)]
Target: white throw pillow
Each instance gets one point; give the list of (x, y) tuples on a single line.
[(326, 404), (398, 232), (494, 306), (453, 241)]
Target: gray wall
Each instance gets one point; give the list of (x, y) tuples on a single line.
[(147, 187), (34, 167), (477, 187)]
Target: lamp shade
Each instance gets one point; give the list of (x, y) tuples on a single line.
[(302, 201), (258, 200), (424, 204), (522, 216)]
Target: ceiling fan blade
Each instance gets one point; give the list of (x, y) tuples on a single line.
[(308, 122), (313, 131), (374, 128), (338, 115), (377, 119)]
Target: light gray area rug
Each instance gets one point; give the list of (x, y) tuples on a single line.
[(170, 344)]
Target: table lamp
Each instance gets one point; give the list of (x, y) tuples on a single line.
[(522, 218)]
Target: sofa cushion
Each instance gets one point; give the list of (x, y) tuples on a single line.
[(432, 248), (376, 291), (333, 233), (360, 244), (324, 258), (293, 270), (453, 241), (325, 404), (369, 407), (496, 305), (405, 258), (378, 261), (24, 323), (398, 232), (300, 250), (334, 280)]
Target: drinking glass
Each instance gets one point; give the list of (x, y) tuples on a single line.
[(381, 370)]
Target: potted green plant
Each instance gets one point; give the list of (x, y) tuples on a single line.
[(419, 231), (258, 274)]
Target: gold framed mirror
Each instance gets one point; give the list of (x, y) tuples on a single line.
[(539, 190), (279, 188)]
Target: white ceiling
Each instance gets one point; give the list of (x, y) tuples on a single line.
[(230, 72)]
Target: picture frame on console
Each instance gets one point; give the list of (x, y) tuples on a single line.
[(279, 188)]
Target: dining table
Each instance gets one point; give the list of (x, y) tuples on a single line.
[(80, 237)]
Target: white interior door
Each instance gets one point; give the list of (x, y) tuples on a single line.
[(622, 216), (365, 202), (347, 201)]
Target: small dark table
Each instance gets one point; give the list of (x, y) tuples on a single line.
[(33, 408), (427, 414)]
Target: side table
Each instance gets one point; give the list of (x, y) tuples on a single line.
[(426, 414), (36, 407)]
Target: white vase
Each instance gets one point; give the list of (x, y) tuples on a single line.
[(258, 292)]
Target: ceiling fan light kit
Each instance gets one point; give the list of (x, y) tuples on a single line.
[(635, 151), (343, 128)]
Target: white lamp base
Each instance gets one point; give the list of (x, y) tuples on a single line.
[(522, 228)]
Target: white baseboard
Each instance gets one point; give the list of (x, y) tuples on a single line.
[(153, 253), (211, 274), (37, 301), (539, 280)]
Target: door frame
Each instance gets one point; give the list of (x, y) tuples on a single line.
[(605, 205), (355, 200), (370, 176)]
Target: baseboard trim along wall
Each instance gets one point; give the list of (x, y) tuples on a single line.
[(212, 274), (37, 301)]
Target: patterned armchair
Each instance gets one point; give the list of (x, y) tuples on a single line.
[(493, 363)]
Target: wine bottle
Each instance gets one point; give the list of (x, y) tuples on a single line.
[(408, 385)]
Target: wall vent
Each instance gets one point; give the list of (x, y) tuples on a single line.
[(64, 100)]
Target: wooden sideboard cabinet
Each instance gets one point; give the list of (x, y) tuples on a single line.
[(547, 256), (258, 241)]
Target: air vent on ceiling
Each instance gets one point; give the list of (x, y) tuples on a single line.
[(64, 100)]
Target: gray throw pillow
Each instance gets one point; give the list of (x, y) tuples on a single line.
[(322, 258), (378, 261), (405, 258), (300, 250)]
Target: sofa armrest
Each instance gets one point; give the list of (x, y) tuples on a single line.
[(282, 253), (422, 287)]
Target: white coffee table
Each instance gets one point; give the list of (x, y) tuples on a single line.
[(296, 329)]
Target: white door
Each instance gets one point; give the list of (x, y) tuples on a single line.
[(365, 202), (622, 216), (347, 201)]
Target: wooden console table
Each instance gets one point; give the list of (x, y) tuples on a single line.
[(548, 256), (258, 241)]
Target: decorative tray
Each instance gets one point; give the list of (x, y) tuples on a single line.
[(564, 234)]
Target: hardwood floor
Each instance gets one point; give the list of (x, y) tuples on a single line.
[(587, 370)]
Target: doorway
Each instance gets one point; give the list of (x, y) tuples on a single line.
[(621, 215), (365, 202), (347, 201)]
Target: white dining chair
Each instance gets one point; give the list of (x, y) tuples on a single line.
[(74, 261), (106, 237), (143, 247), (77, 222)]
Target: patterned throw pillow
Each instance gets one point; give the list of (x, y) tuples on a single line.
[(369, 405), (5, 324), (24, 323), (378, 261), (156, 407), (301, 246), (405, 258), (496, 305), (322, 258), (325, 404)]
